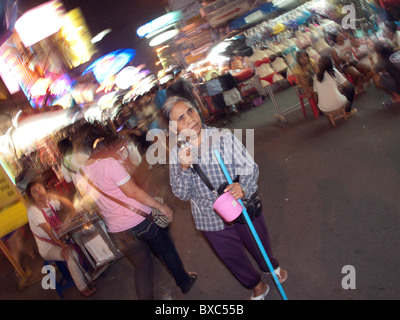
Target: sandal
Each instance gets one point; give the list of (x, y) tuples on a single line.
[(261, 296), (352, 111), (281, 274)]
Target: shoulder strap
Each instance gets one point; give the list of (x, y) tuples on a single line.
[(203, 176), (121, 203), (69, 169), (196, 167)]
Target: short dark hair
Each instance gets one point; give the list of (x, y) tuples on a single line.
[(383, 47), (64, 146), (29, 188), (391, 26), (332, 35)]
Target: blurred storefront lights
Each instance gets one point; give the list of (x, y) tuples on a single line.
[(40, 22), (163, 37), (110, 64), (155, 26)]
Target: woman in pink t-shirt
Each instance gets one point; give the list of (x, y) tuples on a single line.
[(130, 232)]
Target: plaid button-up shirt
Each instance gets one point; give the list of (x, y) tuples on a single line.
[(187, 185)]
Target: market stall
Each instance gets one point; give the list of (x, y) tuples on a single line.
[(276, 41)]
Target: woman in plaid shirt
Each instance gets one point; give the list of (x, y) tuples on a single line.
[(229, 241)]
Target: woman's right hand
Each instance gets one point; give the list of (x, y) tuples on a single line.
[(65, 252), (185, 157), (167, 211)]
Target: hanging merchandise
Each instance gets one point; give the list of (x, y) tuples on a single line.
[(291, 25), (279, 27), (279, 65), (304, 18), (289, 54), (257, 56), (312, 53)]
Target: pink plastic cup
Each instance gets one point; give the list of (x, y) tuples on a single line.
[(227, 207)]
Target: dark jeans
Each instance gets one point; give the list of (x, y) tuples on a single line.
[(136, 244), (231, 243), (348, 91)]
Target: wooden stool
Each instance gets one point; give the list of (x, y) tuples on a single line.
[(336, 115)]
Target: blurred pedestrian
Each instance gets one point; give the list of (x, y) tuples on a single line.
[(131, 232), (178, 86), (16, 242), (391, 32), (386, 75)]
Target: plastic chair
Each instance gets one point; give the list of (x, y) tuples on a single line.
[(66, 280), (313, 105)]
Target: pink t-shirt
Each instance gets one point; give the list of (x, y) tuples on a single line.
[(108, 174)]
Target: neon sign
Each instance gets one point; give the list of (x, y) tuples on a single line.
[(110, 64), (152, 27)]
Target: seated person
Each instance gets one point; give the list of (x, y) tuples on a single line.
[(332, 88), (304, 70), (43, 217), (391, 32), (386, 75), (345, 60)]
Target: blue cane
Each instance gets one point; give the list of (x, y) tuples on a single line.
[(252, 229)]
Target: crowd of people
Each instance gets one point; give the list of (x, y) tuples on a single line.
[(95, 163), (341, 74)]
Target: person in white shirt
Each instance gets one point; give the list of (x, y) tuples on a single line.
[(346, 61), (332, 88), (390, 31), (43, 217)]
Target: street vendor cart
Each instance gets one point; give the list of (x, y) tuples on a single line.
[(88, 231)]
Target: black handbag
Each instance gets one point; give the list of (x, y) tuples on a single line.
[(253, 204)]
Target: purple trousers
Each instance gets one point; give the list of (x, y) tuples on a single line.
[(231, 243)]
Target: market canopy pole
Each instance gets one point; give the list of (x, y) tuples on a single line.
[(252, 229)]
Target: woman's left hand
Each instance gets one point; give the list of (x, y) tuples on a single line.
[(236, 190)]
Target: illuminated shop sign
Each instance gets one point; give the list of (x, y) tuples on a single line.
[(159, 24), (40, 22), (110, 64)]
